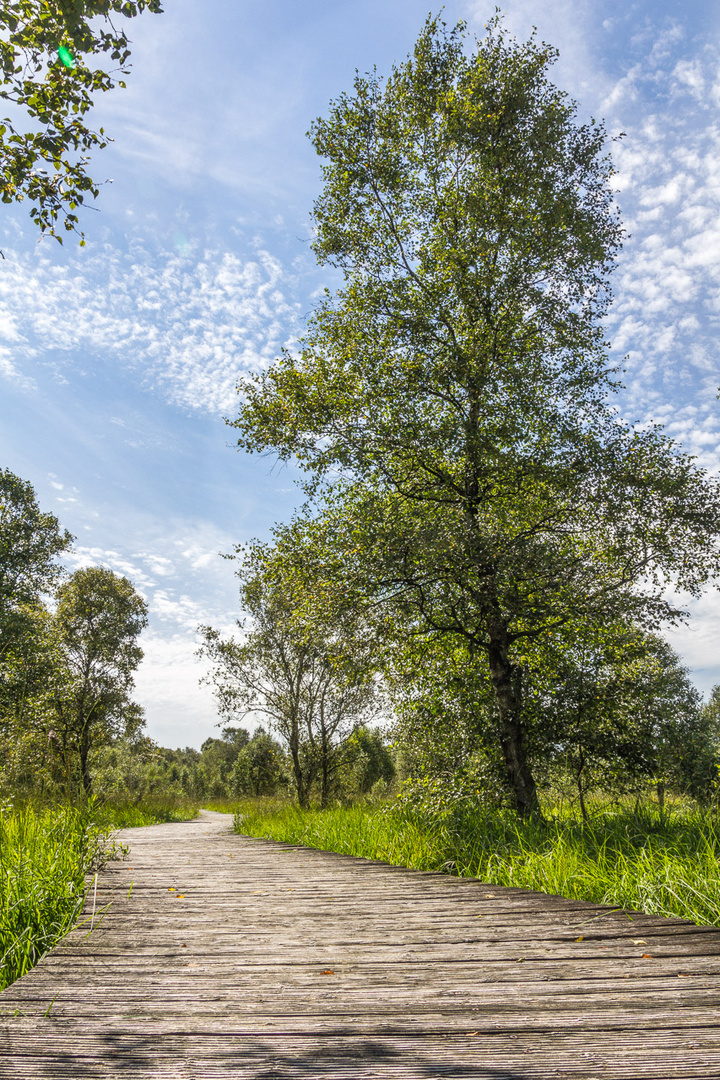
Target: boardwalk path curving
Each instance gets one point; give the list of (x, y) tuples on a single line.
[(273, 962)]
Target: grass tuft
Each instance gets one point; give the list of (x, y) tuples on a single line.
[(45, 854), (150, 810)]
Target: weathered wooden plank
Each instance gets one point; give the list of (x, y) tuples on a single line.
[(244, 958)]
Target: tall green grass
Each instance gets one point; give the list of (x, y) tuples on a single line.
[(665, 864), (121, 813), (45, 855)]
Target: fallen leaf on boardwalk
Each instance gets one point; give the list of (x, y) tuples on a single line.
[(473, 1032), (581, 938), (171, 889), (328, 971), (638, 941), (646, 956), (489, 895), (181, 896), (685, 975), (479, 916)]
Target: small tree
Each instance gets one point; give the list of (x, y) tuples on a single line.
[(367, 761), (306, 680), (30, 543), (259, 767), (98, 620), (620, 709)]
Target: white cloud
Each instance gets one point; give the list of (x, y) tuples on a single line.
[(185, 584), (189, 326), (9, 369), (689, 75), (668, 279), (698, 642), (181, 712)]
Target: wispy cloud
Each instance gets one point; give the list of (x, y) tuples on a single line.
[(189, 325), (167, 684), (179, 574), (666, 314), (185, 585)]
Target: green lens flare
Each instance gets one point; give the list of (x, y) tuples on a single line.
[(66, 57)]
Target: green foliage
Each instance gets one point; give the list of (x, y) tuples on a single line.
[(46, 57), (445, 731), (665, 864), (65, 675), (606, 711), (137, 770), (219, 758), (30, 543), (368, 764), (711, 710), (311, 678), (450, 403), (45, 853), (618, 708), (260, 767), (98, 620)]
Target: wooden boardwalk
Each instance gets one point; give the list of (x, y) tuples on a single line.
[(241, 958)]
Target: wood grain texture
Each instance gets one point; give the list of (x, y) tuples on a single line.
[(214, 955)]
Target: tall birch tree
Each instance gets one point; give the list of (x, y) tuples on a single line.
[(451, 402)]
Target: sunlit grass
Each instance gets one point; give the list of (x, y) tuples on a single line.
[(233, 806), (45, 855), (634, 857), (149, 810)]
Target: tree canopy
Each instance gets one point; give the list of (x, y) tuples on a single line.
[(31, 542), (308, 678), (451, 401), (98, 620)]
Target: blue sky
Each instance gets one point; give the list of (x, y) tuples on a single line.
[(118, 361)]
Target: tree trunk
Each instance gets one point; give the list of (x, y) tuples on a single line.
[(324, 751), (579, 779), (660, 788), (503, 677), (84, 753), (300, 785), (293, 739)]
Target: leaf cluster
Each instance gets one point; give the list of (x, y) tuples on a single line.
[(48, 54)]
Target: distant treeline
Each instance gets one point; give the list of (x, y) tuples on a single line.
[(236, 765)]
